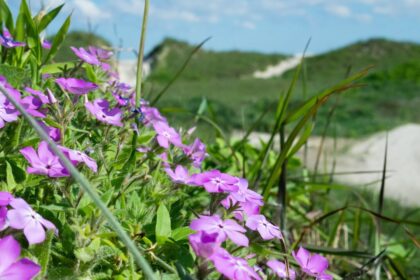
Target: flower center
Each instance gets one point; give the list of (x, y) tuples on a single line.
[(217, 181), (264, 223)]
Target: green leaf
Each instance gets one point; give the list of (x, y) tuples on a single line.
[(10, 179), (90, 73), (43, 253), (181, 233), (6, 16), (55, 68), (58, 39), (49, 17), (163, 224), (84, 254), (20, 31), (32, 33)]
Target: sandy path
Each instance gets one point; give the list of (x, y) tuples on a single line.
[(403, 181)]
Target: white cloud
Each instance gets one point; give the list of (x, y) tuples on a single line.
[(338, 10), (412, 3), (175, 15), (246, 24), (363, 17), (91, 10), (214, 11)]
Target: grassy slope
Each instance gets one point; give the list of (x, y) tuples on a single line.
[(389, 99)]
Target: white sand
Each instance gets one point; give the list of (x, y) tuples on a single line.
[(278, 69), (128, 68), (403, 180)]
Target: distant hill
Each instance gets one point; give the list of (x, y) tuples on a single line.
[(391, 97), (205, 64), (383, 54)]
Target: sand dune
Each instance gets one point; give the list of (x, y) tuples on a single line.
[(278, 69)]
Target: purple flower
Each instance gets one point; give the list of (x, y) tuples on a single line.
[(144, 149), (196, 152), (267, 230), (5, 198), (77, 157), (123, 87), (215, 181), (3, 217), (105, 66), (100, 53), (11, 268), (45, 162), (225, 229), (165, 161), (121, 100), (51, 96), (249, 201), (6, 40), (41, 96), (22, 216), (100, 109), (312, 264), (76, 86), (32, 105), (53, 132), (166, 135), (232, 267), (86, 56), (152, 116), (180, 175), (8, 112), (46, 44), (204, 244), (279, 268)]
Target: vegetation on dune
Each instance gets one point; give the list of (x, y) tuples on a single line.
[(205, 65), (238, 98)]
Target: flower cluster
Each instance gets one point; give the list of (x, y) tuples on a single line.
[(45, 162), (238, 216)]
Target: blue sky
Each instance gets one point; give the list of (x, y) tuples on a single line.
[(281, 26)]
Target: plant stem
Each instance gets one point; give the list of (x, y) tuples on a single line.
[(141, 53), (281, 192)]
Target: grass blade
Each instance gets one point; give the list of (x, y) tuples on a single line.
[(139, 77), (49, 17), (58, 39)]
